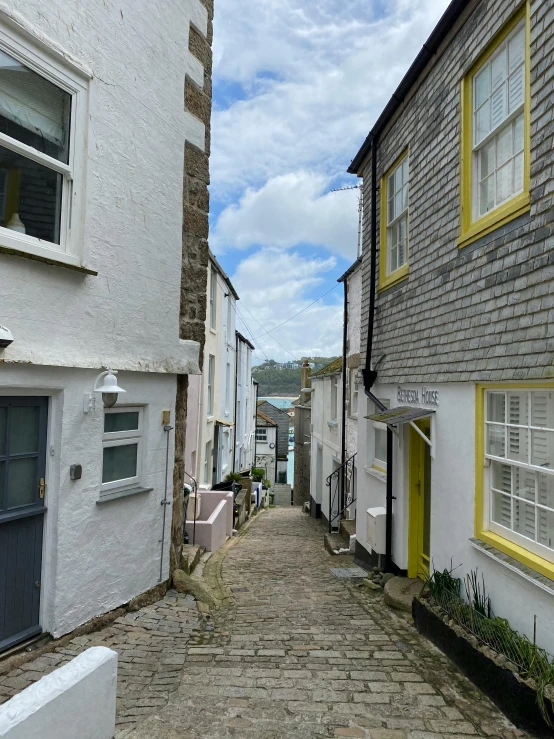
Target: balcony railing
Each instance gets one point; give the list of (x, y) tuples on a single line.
[(342, 491)]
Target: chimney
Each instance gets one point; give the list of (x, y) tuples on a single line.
[(305, 381)]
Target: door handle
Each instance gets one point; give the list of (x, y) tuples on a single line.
[(41, 487)]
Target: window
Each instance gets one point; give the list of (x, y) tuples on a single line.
[(519, 473), (227, 388), (43, 118), (261, 435), (211, 367), (121, 442), (229, 318), (334, 398), (496, 155), (207, 462), (377, 441), (353, 394), (394, 222), (213, 290)]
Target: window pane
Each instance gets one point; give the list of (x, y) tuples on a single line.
[(405, 165), (381, 445), (545, 528), (542, 409), (487, 195), (504, 146), (496, 407), (518, 134), (22, 482), (33, 197), (405, 197), (517, 444), (546, 490), (518, 172), (488, 159), (393, 258), (504, 182), (390, 214), (495, 441), (524, 484), (501, 509), (516, 89), (120, 462), (33, 110), (23, 432), (498, 69), (498, 106), (482, 86), (516, 50), (518, 408), (482, 122), (398, 200), (542, 449), (524, 519), (501, 477), (121, 421)]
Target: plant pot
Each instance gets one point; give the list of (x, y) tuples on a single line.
[(508, 691)]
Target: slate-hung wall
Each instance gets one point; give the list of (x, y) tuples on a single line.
[(484, 311)]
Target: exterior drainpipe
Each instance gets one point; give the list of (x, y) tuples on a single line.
[(370, 375), (344, 378)]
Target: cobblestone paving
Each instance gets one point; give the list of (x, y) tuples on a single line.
[(303, 654), (151, 645)]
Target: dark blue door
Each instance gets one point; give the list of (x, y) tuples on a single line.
[(22, 488)]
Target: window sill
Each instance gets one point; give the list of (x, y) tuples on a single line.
[(495, 219), (116, 495), (524, 557), (374, 472), (213, 331), (42, 254), (530, 574), (394, 278)]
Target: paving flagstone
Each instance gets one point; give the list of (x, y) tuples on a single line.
[(304, 653)]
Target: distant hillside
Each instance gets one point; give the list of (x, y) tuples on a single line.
[(283, 381)]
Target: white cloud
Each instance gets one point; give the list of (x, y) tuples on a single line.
[(290, 209), (273, 286)]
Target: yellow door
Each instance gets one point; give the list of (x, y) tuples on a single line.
[(419, 538)]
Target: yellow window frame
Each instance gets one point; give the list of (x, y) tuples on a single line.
[(402, 272), (519, 553), (472, 230)]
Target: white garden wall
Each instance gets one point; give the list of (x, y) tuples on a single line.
[(76, 699)]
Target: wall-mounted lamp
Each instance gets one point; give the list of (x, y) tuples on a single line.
[(109, 389), (6, 337)]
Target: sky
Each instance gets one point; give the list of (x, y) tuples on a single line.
[(297, 86)]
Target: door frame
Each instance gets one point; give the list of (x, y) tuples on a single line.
[(416, 504), (39, 508)]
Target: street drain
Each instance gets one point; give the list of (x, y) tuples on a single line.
[(347, 573)]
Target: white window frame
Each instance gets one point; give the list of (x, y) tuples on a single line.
[(510, 534), (376, 426), (334, 398), (261, 434), (403, 215), (228, 388), (69, 76), (508, 121), (211, 373), (123, 438)]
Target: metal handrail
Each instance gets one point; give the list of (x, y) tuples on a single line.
[(195, 491), (339, 479)]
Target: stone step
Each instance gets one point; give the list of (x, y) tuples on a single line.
[(347, 528), (400, 591), (335, 544), (190, 557)]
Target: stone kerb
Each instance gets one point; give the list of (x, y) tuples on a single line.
[(77, 699)]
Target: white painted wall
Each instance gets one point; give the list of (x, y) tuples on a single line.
[(97, 557), (354, 282), (265, 455), (245, 425), (80, 694), (452, 507), (126, 316), (326, 435)]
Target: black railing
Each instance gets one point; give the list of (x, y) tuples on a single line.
[(342, 490)]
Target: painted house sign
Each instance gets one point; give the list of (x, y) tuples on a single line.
[(418, 396)]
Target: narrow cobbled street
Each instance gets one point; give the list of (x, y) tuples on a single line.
[(302, 653)]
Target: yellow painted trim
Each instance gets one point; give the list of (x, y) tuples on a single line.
[(385, 280), (379, 469), (413, 476), (539, 564), (519, 204)]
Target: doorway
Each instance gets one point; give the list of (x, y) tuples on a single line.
[(419, 534), (23, 428)]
